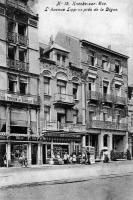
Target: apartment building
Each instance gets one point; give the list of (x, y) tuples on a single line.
[(104, 92), (61, 118), (19, 82)]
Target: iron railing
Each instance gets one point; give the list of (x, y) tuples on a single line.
[(64, 98), (17, 38), (107, 125), (93, 95), (64, 126), (18, 65)]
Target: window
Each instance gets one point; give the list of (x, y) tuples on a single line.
[(105, 117), (117, 67), (46, 85), (105, 87), (132, 120), (63, 60), (118, 89), (104, 63), (91, 84), (75, 90), (11, 52), (58, 58), (22, 55), (92, 58), (61, 86), (75, 116), (90, 87), (23, 85), (11, 26), (12, 84), (21, 29), (46, 114)]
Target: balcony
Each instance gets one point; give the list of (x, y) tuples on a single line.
[(107, 125), (18, 65), (93, 95), (64, 99), (107, 98), (12, 37), (15, 38), (19, 98), (120, 100), (69, 127), (18, 5)]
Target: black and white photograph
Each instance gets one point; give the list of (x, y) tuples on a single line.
[(66, 100)]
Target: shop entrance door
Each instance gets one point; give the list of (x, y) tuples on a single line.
[(44, 154), (34, 149), (2, 154)]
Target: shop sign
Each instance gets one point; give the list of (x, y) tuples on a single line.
[(16, 98)]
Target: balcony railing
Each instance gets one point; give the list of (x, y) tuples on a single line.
[(93, 95), (22, 40), (16, 97), (107, 125), (120, 100), (12, 37), (18, 65), (107, 98), (56, 126), (64, 98), (17, 38), (17, 4)]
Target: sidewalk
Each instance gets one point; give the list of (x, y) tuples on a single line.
[(16, 177)]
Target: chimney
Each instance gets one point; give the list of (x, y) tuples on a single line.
[(51, 42), (109, 46)]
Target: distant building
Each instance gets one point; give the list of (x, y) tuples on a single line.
[(130, 117), (104, 92)]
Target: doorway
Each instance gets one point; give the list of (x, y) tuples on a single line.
[(34, 150)]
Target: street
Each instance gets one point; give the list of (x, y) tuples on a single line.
[(116, 188), (112, 181)]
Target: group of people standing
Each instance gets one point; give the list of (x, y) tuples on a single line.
[(80, 158)]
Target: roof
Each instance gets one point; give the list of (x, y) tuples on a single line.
[(54, 46), (105, 49)]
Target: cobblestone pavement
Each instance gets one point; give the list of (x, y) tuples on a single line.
[(15, 177)]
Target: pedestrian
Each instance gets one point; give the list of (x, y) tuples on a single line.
[(88, 158), (66, 158), (74, 158)]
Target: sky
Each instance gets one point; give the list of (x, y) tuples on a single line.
[(101, 27)]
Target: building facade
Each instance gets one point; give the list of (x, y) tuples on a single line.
[(130, 118), (19, 82), (62, 124), (105, 75)]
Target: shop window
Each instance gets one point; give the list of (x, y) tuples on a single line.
[(47, 85), (75, 91), (104, 63), (48, 151), (61, 86)]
